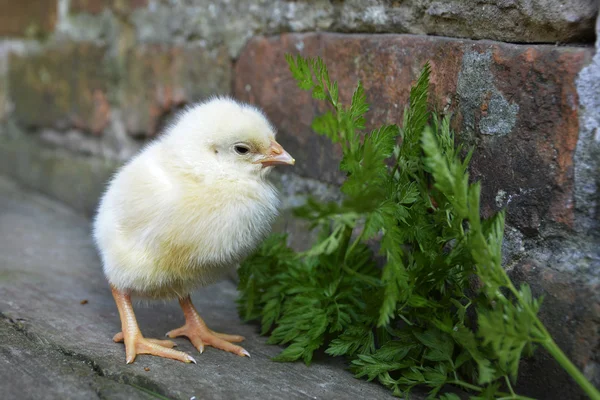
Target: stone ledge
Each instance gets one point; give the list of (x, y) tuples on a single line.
[(59, 373), (48, 265)]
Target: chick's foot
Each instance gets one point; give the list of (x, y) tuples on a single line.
[(200, 335), (135, 343)]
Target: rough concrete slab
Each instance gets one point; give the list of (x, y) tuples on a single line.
[(52, 346)]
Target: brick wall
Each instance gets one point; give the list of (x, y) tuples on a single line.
[(85, 83)]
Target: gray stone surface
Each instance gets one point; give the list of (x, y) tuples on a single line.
[(54, 347), (33, 369), (476, 81), (228, 22), (587, 153), (73, 178), (233, 22), (511, 20), (505, 20)]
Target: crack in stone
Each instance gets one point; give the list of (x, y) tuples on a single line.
[(134, 381)]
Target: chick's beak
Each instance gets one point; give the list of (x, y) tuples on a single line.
[(276, 155)]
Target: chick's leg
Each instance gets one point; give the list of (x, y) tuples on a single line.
[(135, 343), (200, 335)]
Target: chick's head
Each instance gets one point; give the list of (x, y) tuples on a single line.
[(227, 137)]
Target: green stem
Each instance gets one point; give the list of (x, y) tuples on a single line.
[(466, 385), (369, 280), (355, 243), (552, 348), (346, 236), (512, 392), (568, 366), (396, 165)]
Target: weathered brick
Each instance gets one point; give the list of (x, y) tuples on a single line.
[(517, 104), (97, 6), (571, 312), (61, 87), (161, 78), (27, 18)]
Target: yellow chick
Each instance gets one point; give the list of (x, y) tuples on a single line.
[(182, 212)]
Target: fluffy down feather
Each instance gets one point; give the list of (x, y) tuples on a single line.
[(192, 204)]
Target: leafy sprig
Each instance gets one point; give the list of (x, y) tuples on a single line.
[(414, 322)]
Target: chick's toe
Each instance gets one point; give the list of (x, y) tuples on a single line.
[(145, 346), (119, 338), (199, 334)]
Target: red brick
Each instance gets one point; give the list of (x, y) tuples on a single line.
[(97, 6), (27, 17), (161, 78), (532, 161), (61, 87)]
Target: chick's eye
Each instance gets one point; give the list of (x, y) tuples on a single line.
[(240, 149)]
